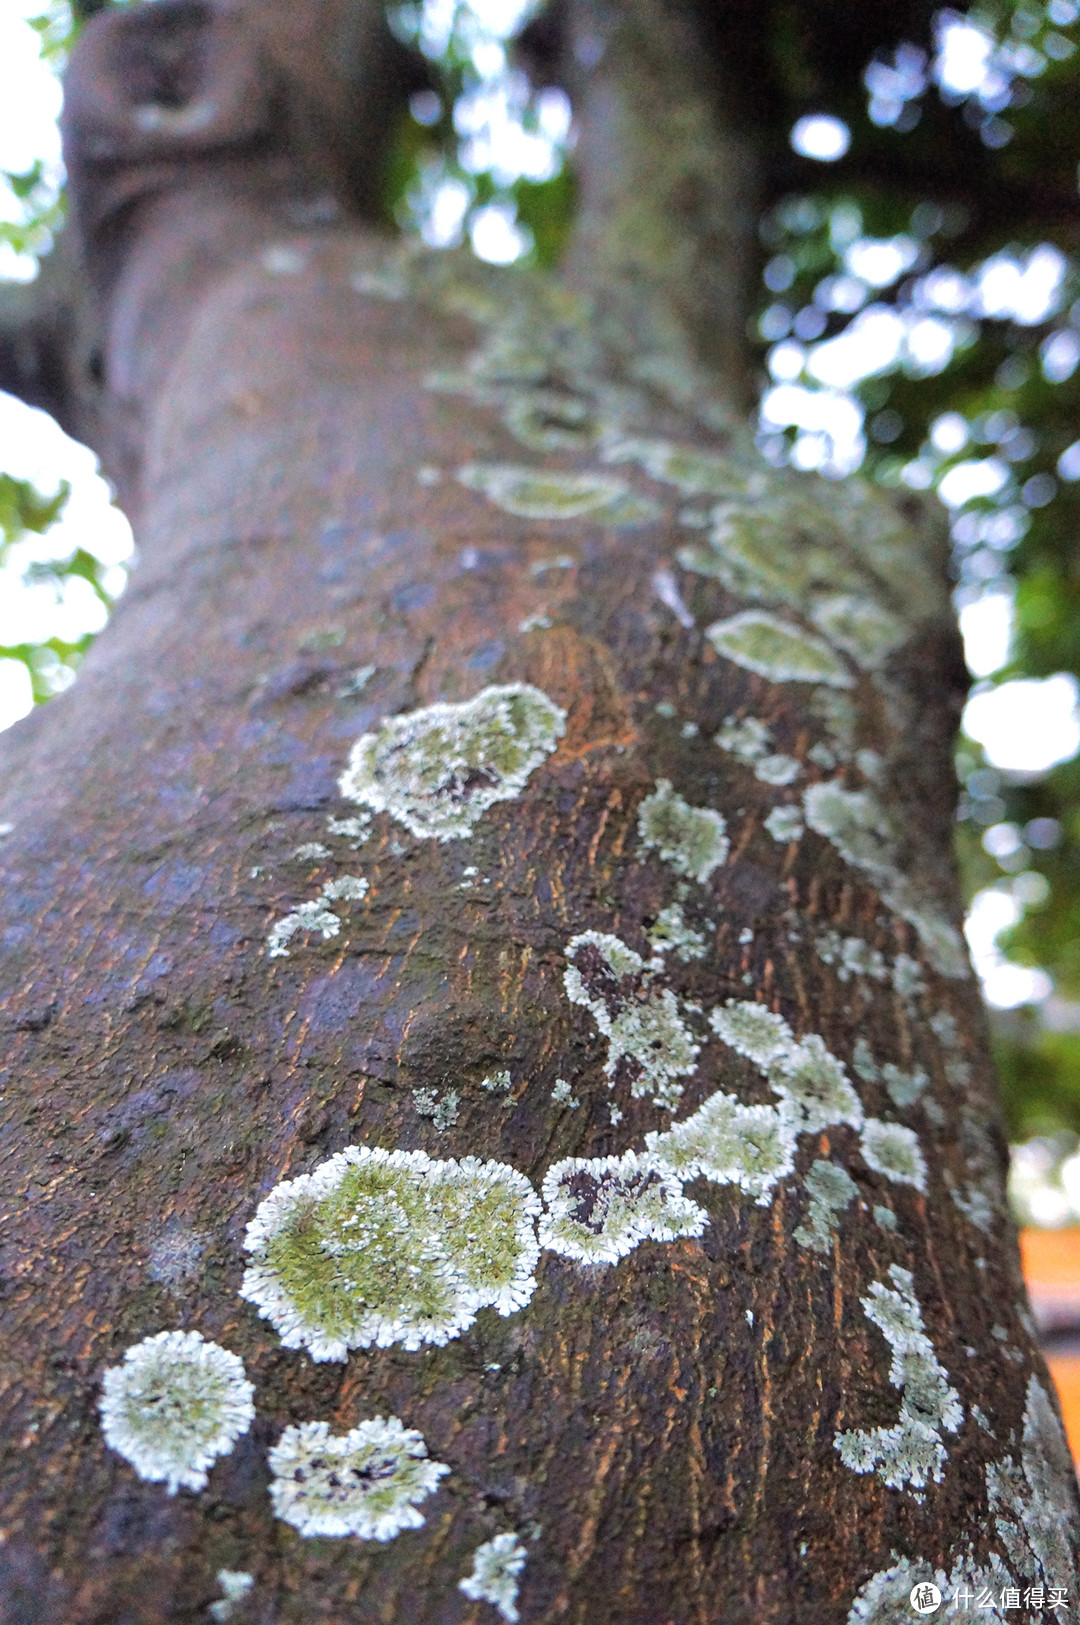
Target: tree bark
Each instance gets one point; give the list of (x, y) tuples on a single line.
[(371, 486)]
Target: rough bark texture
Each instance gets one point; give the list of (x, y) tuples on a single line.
[(321, 440)]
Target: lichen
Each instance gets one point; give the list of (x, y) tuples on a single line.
[(366, 1482), (864, 630), (816, 1086), (650, 1046), (1032, 1502), (785, 824), (599, 1209), (851, 956), (693, 470), (312, 916), (904, 1087), (893, 1150), (552, 420), (691, 840), (885, 1599), (442, 1109), (672, 934), (730, 1144), (777, 649), (862, 832), (777, 769), (562, 1094), (382, 1247), (830, 1191), (912, 1450), (175, 1404), (747, 738), (494, 1578), (541, 493), (762, 1035), (437, 770), (235, 1585)]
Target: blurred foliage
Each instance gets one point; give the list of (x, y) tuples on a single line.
[(952, 175)]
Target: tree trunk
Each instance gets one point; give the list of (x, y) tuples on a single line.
[(642, 859)]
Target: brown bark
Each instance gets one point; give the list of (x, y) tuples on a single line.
[(660, 1432)]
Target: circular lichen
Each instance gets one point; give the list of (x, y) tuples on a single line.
[(365, 1482), (381, 1247), (437, 770), (175, 1404)]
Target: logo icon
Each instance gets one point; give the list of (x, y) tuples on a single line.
[(925, 1597)]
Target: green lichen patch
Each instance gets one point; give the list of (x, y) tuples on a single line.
[(437, 770), (777, 649), (777, 769), (534, 493), (599, 1209), (912, 1451), (691, 840), (694, 471), (863, 629), (851, 956), (366, 1482), (815, 1084), (730, 1144), (382, 1247), (751, 1030), (893, 1150), (174, 1405), (830, 1191), (497, 1565), (552, 420), (650, 1045)]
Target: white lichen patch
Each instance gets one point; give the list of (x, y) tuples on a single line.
[(437, 770), (904, 1086), (650, 1045), (442, 1109), (562, 1094), (830, 1190), (851, 956), (310, 852), (494, 1578), (730, 1144), (785, 824), (536, 493), (691, 840), (366, 1482), (777, 649), (815, 1085), (912, 1450), (354, 830), (382, 1247), (497, 1083), (235, 1585), (885, 1599), (893, 1150), (599, 1209), (1032, 1501), (175, 1404), (316, 915), (313, 916), (751, 1030), (672, 934), (777, 769), (860, 829), (747, 738)]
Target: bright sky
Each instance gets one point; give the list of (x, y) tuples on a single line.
[(1024, 726)]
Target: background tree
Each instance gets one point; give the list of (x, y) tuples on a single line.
[(421, 539)]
